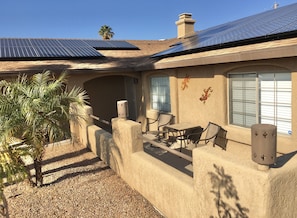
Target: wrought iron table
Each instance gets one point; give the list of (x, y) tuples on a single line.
[(178, 130)]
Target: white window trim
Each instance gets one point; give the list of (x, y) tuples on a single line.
[(150, 94), (257, 102)]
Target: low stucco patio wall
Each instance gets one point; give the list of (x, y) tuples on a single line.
[(226, 181)]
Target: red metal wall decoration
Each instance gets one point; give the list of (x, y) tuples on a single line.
[(185, 82), (205, 95)]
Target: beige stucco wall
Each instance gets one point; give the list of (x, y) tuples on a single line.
[(263, 194), (187, 107)]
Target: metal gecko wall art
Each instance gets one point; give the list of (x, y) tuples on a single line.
[(206, 94), (185, 82)]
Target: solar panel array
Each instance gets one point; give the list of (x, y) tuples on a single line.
[(110, 44), (263, 25), (22, 48)]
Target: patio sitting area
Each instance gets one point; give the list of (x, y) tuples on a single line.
[(193, 191)]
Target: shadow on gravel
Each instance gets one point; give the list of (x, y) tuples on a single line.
[(62, 157), (66, 156), (66, 166), (84, 163), (72, 175)]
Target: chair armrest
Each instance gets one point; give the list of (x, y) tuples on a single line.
[(151, 119), (148, 123), (164, 125), (168, 122), (203, 140), (206, 140)]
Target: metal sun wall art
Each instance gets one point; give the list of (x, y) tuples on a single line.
[(206, 94)]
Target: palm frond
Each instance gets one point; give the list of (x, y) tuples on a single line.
[(37, 111)]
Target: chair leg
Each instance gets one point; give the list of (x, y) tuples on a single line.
[(181, 145)]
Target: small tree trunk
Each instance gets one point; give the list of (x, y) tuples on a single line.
[(4, 206), (38, 172)]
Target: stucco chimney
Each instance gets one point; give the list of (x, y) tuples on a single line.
[(185, 25)]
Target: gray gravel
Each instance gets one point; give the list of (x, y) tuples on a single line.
[(77, 184)]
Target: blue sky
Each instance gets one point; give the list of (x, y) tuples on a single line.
[(129, 19)]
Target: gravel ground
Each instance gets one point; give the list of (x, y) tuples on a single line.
[(77, 184)]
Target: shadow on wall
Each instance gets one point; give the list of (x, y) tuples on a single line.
[(225, 192), (107, 150), (282, 160)]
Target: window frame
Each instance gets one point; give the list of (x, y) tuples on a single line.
[(158, 104), (258, 96)]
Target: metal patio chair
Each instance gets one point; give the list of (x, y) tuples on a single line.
[(162, 121), (213, 133)]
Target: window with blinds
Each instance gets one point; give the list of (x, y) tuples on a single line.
[(160, 94), (261, 98)]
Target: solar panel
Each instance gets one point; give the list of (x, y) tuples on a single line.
[(45, 42), (18, 48), (51, 52), (27, 51), (17, 52), (14, 42), (73, 43), (263, 25), (98, 44), (21, 48), (82, 51), (122, 44), (110, 44)]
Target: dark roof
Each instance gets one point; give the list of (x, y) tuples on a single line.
[(270, 25), (28, 49)]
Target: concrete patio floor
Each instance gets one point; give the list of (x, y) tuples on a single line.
[(178, 163)]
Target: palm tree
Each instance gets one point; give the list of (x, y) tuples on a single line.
[(106, 32), (36, 112)]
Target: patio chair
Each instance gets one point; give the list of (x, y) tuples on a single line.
[(221, 139), (212, 133), (162, 120)]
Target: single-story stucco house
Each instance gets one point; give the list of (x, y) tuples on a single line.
[(235, 74), (245, 68)]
